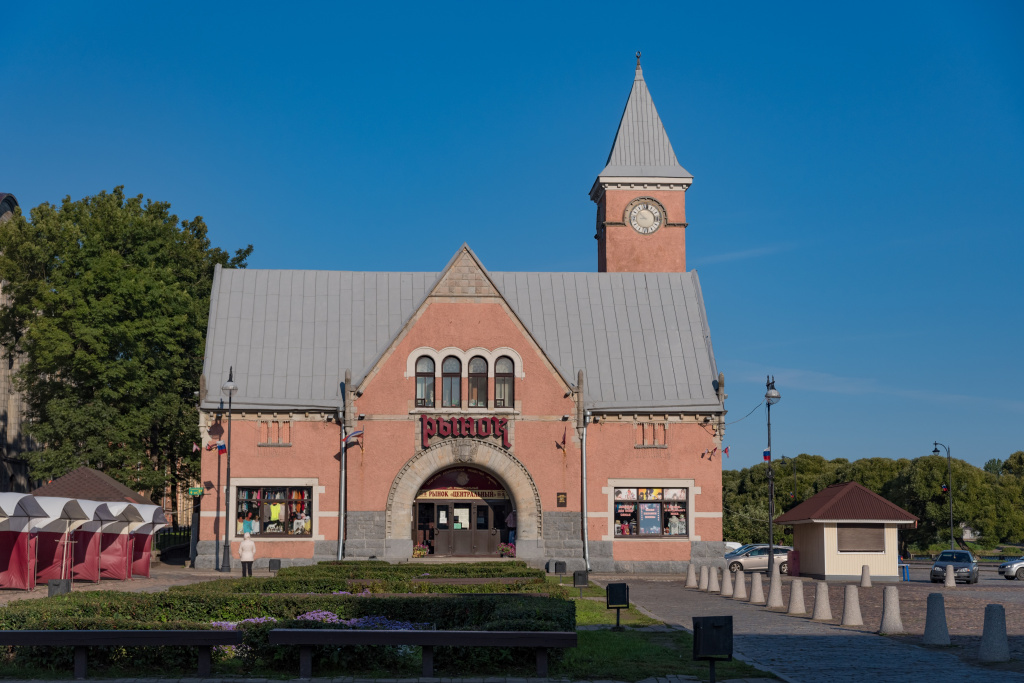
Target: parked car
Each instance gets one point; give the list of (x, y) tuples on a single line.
[(965, 567), (1013, 569), (754, 557), (732, 546)]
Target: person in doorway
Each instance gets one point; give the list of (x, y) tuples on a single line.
[(247, 555), (510, 522)]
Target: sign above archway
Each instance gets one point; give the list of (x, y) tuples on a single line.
[(459, 483)]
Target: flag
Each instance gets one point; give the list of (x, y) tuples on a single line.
[(767, 455), (354, 435), (726, 451), (945, 489), (195, 447), (562, 445), (222, 448)]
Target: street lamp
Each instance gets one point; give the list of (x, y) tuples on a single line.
[(771, 397), (949, 467), (229, 390)]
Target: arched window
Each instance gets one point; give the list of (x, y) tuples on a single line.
[(424, 382), (477, 382), (504, 383), (451, 382)]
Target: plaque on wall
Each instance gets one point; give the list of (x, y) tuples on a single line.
[(562, 498)]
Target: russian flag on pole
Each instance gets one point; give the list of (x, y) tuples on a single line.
[(222, 448), (767, 455), (353, 436)]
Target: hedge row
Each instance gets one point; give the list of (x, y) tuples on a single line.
[(319, 584), (375, 569)]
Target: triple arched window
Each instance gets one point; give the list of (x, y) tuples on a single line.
[(478, 385)]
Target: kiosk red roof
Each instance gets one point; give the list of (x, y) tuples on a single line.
[(844, 503)]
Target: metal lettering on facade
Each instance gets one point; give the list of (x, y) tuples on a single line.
[(476, 427)]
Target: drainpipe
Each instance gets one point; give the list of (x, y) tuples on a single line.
[(585, 415), (342, 474)]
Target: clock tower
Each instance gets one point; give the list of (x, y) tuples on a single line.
[(641, 194)]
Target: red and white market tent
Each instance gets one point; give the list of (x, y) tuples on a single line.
[(53, 536), (85, 563), (116, 539), (142, 537), (17, 547)]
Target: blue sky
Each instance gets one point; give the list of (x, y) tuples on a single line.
[(855, 216)]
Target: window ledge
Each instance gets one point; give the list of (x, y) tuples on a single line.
[(639, 446), (273, 445), (464, 411)]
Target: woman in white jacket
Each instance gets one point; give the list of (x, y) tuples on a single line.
[(247, 554)]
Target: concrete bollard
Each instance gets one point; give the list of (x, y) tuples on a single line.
[(691, 576), (713, 585), (756, 589), (950, 577), (740, 591), (892, 623), (935, 630), (994, 645), (726, 583), (796, 598), (702, 585), (822, 607), (851, 607), (775, 591), (865, 576)]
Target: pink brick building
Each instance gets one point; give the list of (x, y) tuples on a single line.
[(589, 403)]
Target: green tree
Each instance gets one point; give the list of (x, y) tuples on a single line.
[(107, 297), (1014, 464), (994, 466)]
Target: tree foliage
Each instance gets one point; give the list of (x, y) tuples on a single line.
[(107, 298), (990, 503)]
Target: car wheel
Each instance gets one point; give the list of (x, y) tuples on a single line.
[(784, 568), (735, 567), (934, 580), (975, 579), (1020, 573)]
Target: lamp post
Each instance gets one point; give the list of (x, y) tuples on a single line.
[(949, 469), (771, 397), (229, 390)]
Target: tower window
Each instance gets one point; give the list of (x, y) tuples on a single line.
[(477, 382), (424, 382), (451, 382), (504, 383)]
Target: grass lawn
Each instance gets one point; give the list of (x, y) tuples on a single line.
[(591, 612)]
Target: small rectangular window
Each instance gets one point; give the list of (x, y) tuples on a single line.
[(275, 433), (860, 538)]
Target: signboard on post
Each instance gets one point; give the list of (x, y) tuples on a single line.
[(195, 491)]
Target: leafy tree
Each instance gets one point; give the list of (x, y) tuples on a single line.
[(107, 297), (994, 466), (1014, 464)]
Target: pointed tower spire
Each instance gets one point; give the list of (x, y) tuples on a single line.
[(642, 148)]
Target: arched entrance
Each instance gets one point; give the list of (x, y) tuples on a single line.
[(461, 511)]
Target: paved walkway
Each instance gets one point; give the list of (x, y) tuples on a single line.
[(802, 651)]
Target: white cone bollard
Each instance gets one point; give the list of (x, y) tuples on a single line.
[(950, 577), (892, 623), (851, 607), (796, 598), (775, 591), (739, 592), (935, 630), (727, 588), (756, 589), (994, 645), (702, 585), (691, 576), (865, 576), (713, 585), (822, 607)]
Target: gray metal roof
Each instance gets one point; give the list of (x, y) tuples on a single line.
[(641, 147), (642, 339)]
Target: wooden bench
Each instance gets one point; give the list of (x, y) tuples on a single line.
[(428, 640), (81, 640)]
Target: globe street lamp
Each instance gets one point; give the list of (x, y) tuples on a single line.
[(949, 467), (229, 390), (771, 397)]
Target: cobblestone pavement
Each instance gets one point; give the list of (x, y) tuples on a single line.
[(798, 649)]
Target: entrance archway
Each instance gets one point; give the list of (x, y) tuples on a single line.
[(461, 511), (492, 460)]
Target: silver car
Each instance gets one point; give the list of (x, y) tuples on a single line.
[(1012, 569), (755, 558), (965, 567)]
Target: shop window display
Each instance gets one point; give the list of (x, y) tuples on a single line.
[(275, 511), (650, 512)]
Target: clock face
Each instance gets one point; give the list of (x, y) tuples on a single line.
[(645, 215)]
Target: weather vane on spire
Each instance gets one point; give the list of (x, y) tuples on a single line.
[(638, 59)]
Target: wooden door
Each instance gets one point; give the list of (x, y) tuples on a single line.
[(482, 528), (443, 533), (462, 529)]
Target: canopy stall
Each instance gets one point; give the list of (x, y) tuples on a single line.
[(54, 536), (142, 538), (85, 564), (116, 539), (17, 547)]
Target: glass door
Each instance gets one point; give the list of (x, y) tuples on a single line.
[(462, 529), (443, 530)]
